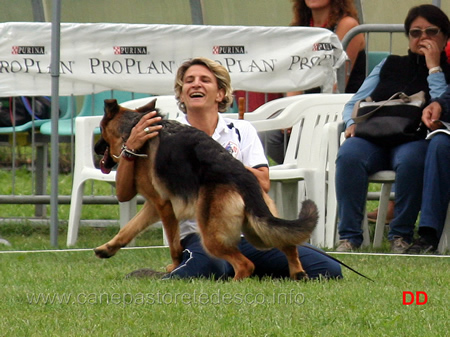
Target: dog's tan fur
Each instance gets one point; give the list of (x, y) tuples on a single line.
[(220, 210)]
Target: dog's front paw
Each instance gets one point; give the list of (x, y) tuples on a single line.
[(104, 251), (301, 276), (171, 267)]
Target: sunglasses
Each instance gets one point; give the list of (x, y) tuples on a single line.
[(430, 31)]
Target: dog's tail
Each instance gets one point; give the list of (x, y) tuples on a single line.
[(269, 231)]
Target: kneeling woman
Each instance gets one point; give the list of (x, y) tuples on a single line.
[(203, 89)]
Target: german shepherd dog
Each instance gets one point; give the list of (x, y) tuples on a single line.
[(185, 175)]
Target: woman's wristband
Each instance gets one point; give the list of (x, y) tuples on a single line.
[(433, 70)]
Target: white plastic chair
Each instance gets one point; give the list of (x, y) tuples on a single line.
[(267, 110), (386, 178), (167, 105), (306, 155), (84, 168)]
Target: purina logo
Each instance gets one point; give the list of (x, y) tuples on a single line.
[(322, 46), (28, 50), (228, 50), (130, 50)]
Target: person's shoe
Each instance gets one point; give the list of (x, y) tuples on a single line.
[(372, 216), (346, 246), (421, 246), (146, 273), (398, 245)]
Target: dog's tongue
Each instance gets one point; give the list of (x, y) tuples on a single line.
[(105, 170)]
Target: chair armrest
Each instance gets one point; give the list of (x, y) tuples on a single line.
[(292, 174), (335, 131), (282, 167)]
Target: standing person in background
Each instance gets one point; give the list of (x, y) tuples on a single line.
[(339, 16)]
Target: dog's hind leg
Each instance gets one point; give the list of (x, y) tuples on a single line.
[(172, 232), (296, 271), (223, 248), (242, 266), (147, 216), (220, 215)]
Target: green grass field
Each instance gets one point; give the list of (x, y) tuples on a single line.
[(73, 293), (51, 291)]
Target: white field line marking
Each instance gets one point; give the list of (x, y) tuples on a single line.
[(158, 247)]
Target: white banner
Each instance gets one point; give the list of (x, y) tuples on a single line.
[(145, 58)]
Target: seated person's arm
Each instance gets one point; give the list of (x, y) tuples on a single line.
[(365, 90)]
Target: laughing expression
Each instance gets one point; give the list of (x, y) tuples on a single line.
[(200, 88)]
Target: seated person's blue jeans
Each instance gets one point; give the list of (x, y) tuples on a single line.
[(436, 190), (273, 263), (358, 159)]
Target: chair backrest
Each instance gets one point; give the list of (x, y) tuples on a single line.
[(376, 57), (93, 103), (84, 141), (167, 104), (307, 117), (268, 110), (67, 106)]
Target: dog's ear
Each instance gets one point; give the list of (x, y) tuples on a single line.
[(150, 106), (111, 107)]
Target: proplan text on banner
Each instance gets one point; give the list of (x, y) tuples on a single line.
[(145, 58)]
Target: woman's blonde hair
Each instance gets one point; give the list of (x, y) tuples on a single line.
[(219, 71)]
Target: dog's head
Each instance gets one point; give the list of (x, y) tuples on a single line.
[(115, 128)]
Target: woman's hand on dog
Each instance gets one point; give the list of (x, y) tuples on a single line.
[(143, 131)]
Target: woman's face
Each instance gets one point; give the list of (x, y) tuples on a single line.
[(200, 88), (422, 33)]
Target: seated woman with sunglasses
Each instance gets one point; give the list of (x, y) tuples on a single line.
[(424, 68)]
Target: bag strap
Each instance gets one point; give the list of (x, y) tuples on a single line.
[(359, 119), (26, 103), (401, 95)]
